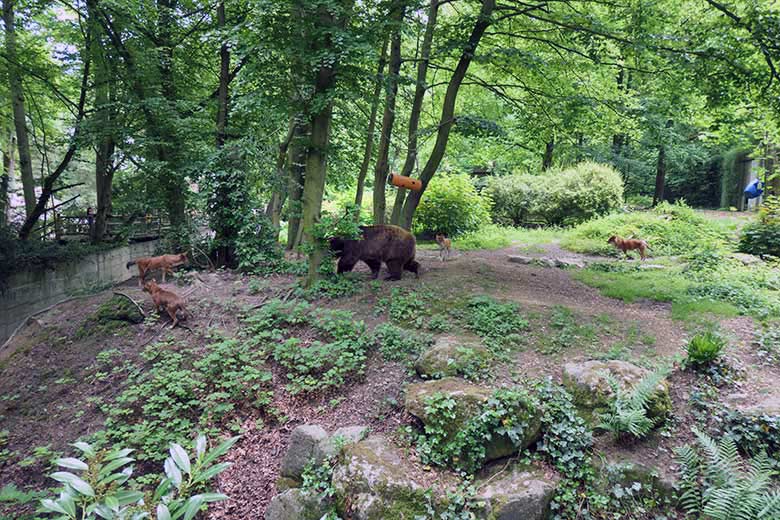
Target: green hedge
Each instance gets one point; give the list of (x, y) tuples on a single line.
[(558, 197)]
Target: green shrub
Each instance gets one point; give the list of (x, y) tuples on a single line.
[(103, 489), (558, 197), (760, 239), (451, 205), (397, 344), (669, 229), (499, 324), (317, 349), (704, 348), (180, 391)]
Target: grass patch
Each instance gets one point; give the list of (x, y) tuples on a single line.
[(669, 230), (668, 285)]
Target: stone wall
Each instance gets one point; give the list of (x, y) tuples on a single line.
[(29, 291)]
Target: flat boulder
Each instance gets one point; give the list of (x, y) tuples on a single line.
[(589, 384), (450, 357), (372, 482), (469, 401), (520, 492)]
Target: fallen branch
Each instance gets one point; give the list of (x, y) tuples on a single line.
[(132, 301)]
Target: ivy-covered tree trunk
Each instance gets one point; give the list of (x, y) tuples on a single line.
[(547, 159), (448, 111), (168, 147), (321, 118), (414, 115), (226, 203), (296, 164), (369, 148), (660, 176), (388, 118), (19, 111)]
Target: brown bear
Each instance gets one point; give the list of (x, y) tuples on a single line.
[(389, 244)]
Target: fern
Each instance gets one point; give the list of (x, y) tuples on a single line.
[(717, 484), (627, 413)]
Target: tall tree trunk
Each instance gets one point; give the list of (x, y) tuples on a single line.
[(660, 176), (104, 122), (20, 114), (296, 163), (414, 116), (168, 147), (317, 153), (547, 160), (448, 111), (361, 181), (388, 119), (223, 221)]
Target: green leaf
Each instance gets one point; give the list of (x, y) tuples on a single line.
[(200, 445), (51, 506), (213, 497), (119, 454), (172, 472), (128, 497), (193, 506), (74, 482), (180, 457), (111, 466), (162, 512), (220, 450), (211, 472), (72, 463), (85, 448)]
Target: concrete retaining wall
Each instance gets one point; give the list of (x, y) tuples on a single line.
[(33, 290)]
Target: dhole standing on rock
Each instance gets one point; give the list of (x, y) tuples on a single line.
[(166, 300), (150, 263)]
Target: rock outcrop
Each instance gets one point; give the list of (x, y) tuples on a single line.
[(589, 384)]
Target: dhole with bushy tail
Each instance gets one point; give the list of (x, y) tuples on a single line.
[(629, 244), (166, 300), (150, 263)]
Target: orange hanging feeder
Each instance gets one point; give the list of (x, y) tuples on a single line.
[(404, 182)]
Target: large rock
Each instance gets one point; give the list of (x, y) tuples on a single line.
[(372, 482), (310, 442), (638, 477), (305, 444), (589, 385), (342, 437), (469, 402), (450, 357), (295, 504), (518, 493)]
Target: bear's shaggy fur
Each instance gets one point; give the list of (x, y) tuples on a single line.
[(389, 244)]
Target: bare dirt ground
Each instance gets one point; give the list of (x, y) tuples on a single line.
[(47, 386)]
